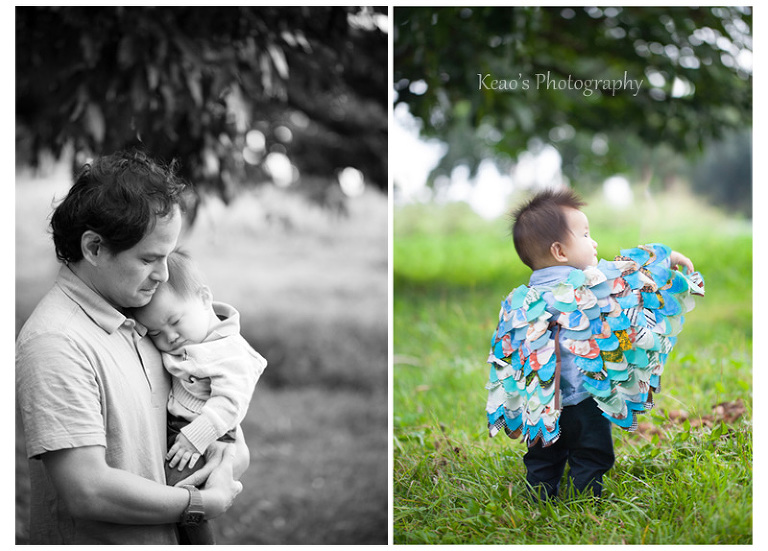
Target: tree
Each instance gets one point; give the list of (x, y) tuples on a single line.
[(724, 173), (217, 88), (492, 82)]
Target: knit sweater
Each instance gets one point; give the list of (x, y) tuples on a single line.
[(213, 381)]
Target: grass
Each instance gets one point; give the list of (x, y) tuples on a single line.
[(684, 478), (452, 494), (312, 293)]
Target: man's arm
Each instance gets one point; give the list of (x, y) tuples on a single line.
[(93, 490), (242, 457)]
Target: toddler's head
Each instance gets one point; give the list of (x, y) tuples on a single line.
[(550, 230), (181, 310)]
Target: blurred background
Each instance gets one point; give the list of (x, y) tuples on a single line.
[(278, 117), (506, 108)]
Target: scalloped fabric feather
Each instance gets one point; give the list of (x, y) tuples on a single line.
[(619, 319)]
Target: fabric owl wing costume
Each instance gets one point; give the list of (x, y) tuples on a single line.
[(619, 319)]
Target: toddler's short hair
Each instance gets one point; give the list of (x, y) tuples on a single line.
[(184, 278), (540, 222)]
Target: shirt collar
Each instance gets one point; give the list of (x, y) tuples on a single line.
[(94, 305), (550, 275)]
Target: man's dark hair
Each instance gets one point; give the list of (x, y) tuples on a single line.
[(540, 222), (118, 196)]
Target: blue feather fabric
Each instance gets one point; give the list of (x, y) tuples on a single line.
[(620, 319)]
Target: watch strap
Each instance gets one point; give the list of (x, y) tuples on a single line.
[(194, 513)]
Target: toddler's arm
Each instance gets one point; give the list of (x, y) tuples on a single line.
[(232, 368), (678, 259)]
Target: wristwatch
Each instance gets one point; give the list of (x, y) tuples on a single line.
[(194, 513)]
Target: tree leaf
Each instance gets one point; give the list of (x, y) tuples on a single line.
[(94, 122)]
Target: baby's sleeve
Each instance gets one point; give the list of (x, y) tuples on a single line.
[(233, 368)]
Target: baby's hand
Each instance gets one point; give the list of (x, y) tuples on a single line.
[(182, 453), (677, 259)]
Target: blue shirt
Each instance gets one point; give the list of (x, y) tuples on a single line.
[(572, 390)]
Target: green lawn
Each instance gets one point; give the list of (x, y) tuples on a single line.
[(684, 478)]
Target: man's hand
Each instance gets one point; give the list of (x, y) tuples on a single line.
[(221, 488), (677, 259), (182, 452), (214, 457)]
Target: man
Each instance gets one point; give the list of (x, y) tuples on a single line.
[(91, 387)]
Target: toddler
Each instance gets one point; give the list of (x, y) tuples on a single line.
[(214, 371), (583, 344)]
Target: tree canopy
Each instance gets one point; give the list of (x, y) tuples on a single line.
[(492, 82), (220, 89)]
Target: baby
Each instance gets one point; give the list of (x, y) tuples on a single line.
[(214, 370), (583, 344)]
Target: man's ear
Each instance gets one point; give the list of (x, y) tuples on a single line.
[(558, 252), (92, 246)]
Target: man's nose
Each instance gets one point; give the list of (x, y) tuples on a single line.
[(160, 273)]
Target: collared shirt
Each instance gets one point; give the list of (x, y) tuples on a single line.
[(571, 388), (87, 376)]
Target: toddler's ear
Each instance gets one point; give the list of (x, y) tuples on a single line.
[(558, 252), (206, 295)]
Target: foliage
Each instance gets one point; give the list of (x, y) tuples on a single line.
[(685, 478), (218, 88), (724, 173), (694, 87)]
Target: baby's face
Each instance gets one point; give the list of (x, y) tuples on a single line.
[(173, 321), (580, 248)]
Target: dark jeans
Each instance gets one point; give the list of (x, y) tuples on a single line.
[(585, 443), (202, 534)]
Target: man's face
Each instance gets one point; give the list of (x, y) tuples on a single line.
[(129, 278)]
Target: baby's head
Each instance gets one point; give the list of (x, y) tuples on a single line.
[(550, 230), (181, 310)]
